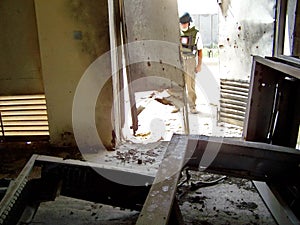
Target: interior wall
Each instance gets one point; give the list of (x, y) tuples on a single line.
[(246, 29), (20, 65), (72, 34)]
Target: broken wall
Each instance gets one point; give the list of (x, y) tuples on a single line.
[(246, 28)]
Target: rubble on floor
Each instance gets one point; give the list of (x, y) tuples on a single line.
[(230, 201)]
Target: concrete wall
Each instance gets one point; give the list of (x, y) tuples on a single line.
[(245, 28), (72, 34), (156, 23), (20, 66)]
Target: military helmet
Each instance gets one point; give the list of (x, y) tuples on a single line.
[(185, 18)]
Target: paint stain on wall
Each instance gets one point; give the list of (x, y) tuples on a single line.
[(92, 19)]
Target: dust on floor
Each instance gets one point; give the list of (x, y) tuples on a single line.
[(230, 201)]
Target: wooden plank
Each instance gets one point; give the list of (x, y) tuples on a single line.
[(158, 205)]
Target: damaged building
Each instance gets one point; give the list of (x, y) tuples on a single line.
[(95, 124)]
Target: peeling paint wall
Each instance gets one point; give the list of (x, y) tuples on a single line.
[(246, 28), (72, 34), (20, 65)]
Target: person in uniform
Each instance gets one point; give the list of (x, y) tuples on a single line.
[(192, 47)]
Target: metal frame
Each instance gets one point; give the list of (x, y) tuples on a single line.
[(13, 201), (276, 165), (279, 209), (271, 116), (71, 178), (282, 8), (164, 187), (251, 160)]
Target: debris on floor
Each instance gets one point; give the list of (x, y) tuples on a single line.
[(231, 201)]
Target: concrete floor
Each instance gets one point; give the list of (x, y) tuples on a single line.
[(231, 201)]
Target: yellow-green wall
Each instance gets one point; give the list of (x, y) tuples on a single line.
[(20, 66), (72, 34)]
